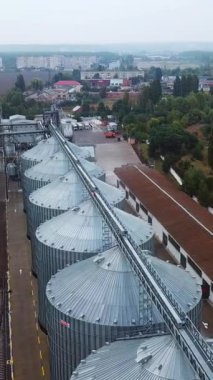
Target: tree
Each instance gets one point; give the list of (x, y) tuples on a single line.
[(101, 110), (20, 83), (177, 91), (144, 98), (210, 151), (76, 75), (194, 83), (85, 109), (36, 84), (191, 181), (156, 91), (158, 73), (203, 193)]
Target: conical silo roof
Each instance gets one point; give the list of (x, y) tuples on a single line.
[(49, 169), (68, 191), (93, 169), (80, 230), (40, 152), (111, 193), (154, 358), (57, 165), (44, 172), (62, 194), (185, 287), (104, 289), (81, 152), (187, 292), (141, 231)]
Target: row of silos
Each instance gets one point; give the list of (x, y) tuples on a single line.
[(111, 304), (51, 168), (56, 197)]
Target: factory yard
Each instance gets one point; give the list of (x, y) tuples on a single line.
[(109, 152)]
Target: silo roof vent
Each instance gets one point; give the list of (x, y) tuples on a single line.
[(143, 357), (99, 259)]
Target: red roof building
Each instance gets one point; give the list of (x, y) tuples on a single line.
[(67, 83)]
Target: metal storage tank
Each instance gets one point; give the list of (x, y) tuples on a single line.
[(63, 194), (66, 127), (154, 358), (91, 302), (59, 196), (42, 151), (97, 300), (137, 227), (70, 237), (48, 170), (75, 236)]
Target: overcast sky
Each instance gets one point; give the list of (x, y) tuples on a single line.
[(105, 21)]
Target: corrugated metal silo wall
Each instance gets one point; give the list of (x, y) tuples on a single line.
[(25, 164), (36, 216), (49, 261), (30, 185), (71, 340)]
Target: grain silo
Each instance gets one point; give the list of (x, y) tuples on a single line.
[(139, 228), (153, 358), (43, 150), (61, 195), (50, 169), (74, 236), (97, 301)]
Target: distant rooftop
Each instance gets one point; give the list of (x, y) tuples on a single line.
[(67, 83)]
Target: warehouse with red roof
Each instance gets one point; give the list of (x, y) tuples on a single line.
[(182, 225)]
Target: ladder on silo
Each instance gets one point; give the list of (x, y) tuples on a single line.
[(106, 236)]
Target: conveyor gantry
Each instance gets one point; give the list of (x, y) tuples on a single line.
[(181, 327)]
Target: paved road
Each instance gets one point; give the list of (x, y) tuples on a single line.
[(29, 344)]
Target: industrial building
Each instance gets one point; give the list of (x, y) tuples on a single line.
[(183, 226)]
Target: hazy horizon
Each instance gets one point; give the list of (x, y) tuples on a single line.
[(118, 48), (97, 23)]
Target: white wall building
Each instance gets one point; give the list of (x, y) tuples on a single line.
[(111, 74), (56, 62)]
